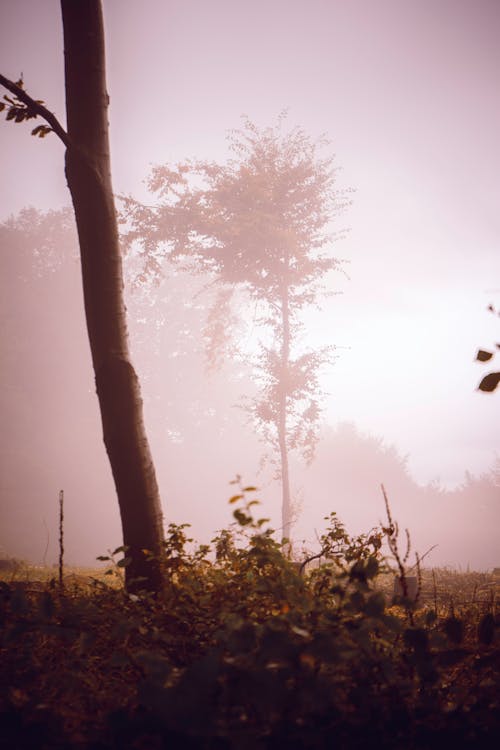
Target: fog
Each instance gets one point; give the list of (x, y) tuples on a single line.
[(408, 96)]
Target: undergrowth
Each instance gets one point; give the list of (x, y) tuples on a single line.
[(245, 648)]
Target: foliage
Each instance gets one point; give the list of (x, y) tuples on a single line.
[(241, 651), (492, 379), (260, 225), (19, 109)]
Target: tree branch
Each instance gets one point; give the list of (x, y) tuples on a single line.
[(36, 108)]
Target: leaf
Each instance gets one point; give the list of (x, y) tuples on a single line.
[(242, 518), (2, 106), (103, 558), (234, 498), (483, 356), (249, 489), (489, 382)]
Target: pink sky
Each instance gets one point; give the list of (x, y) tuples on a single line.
[(408, 93)]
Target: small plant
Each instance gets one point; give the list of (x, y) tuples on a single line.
[(239, 650)]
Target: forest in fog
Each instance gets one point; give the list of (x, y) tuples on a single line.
[(307, 285), (201, 435), (249, 326)]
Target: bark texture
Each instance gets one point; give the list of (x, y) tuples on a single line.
[(88, 174)]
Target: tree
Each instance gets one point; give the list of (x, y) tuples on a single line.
[(259, 223), (88, 174)]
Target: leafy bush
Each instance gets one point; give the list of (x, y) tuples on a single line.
[(244, 648)]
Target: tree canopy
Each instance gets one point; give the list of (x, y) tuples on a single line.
[(260, 224)]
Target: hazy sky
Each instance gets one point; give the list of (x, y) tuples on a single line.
[(407, 91)]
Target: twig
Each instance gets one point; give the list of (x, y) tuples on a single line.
[(420, 559), (61, 539), (310, 559), (37, 108), (44, 561)]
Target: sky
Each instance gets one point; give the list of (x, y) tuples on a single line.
[(407, 92)]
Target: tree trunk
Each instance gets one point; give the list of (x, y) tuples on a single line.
[(88, 174), (286, 505)]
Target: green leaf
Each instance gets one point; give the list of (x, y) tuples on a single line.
[(489, 382), (124, 562), (483, 356)]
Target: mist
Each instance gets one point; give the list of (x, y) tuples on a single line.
[(408, 97)]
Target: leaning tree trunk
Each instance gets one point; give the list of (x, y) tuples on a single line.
[(89, 179)]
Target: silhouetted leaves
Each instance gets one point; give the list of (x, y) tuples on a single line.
[(483, 356), (489, 382), (241, 652), (41, 131)]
